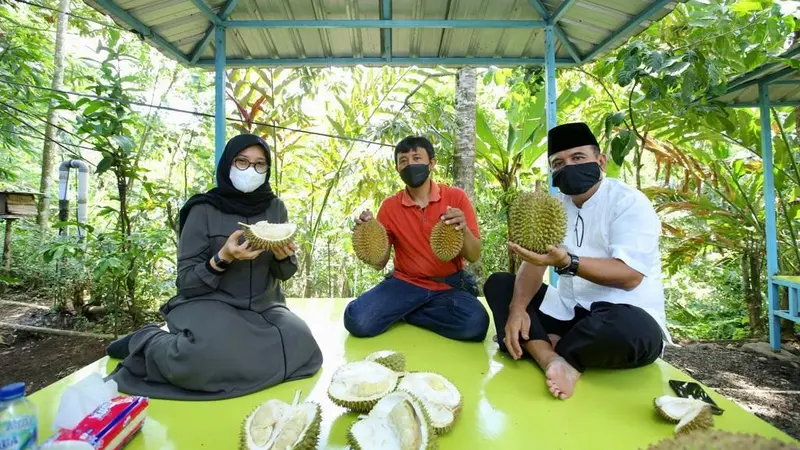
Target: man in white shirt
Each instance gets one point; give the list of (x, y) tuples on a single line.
[(608, 309)]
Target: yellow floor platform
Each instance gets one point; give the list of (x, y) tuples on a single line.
[(506, 403)]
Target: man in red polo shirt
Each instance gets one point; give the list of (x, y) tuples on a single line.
[(423, 290)]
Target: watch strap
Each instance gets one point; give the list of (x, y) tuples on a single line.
[(221, 263)]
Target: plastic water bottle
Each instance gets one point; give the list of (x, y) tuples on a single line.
[(18, 422)]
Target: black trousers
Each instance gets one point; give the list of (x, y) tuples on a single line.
[(610, 336)]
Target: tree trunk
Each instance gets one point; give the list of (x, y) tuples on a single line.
[(48, 150), (464, 155), (751, 266)]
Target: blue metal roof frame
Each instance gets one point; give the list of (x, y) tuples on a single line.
[(380, 32), (778, 80)]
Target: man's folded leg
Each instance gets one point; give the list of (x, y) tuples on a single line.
[(454, 314), (612, 336), (376, 310)]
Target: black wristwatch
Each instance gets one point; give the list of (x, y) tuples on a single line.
[(221, 263), (570, 269)]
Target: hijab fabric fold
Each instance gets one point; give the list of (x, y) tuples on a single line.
[(227, 198)]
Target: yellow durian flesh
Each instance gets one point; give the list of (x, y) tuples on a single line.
[(264, 235), (370, 242), (536, 220), (445, 241), (359, 385)]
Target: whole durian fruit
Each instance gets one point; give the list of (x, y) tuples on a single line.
[(359, 385), (536, 220), (276, 425), (446, 242), (398, 421), (266, 236), (721, 440), (370, 242), (389, 358)]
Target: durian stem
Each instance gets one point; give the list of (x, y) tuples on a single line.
[(296, 400)]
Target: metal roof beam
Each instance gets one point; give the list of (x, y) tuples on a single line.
[(203, 44), (142, 29), (562, 36), (379, 61), (793, 103), (561, 10), (205, 9), (643, 16), (384, 23), (763, 80), (764, 68), (386, 14), (785, 83)]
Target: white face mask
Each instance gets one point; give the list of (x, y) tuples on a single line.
[(247, 180)]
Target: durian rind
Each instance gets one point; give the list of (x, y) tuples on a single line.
[(370, 242), (698, 418), (719, 439), (445, 241), (389, 358), (264, 235), (537, 220), (358, 386)]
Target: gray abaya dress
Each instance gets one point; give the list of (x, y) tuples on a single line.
[(230, 334)]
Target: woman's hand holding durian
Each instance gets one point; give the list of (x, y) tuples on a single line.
[(233, 250)]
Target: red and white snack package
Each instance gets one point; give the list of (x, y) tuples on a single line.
[(109, 427)]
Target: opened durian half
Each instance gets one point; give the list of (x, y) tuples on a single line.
[(440, 397), (265, 235), (397, 422), (370, 242), (276, 425), (359, 385), (689, 414), (389, 358)]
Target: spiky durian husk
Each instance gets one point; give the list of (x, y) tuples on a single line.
[(721, 440), (446, 242), (353, 374), (262, 242), (370, 242), (698, 418), (537, 220), (389, 358)]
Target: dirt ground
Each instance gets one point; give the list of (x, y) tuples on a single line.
[(768, 387)]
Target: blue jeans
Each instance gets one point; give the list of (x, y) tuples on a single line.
[(454, 313)]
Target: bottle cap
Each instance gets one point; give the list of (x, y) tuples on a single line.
[(12, 392)]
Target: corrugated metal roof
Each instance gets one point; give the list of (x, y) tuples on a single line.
[(490, 31), (782, 81)]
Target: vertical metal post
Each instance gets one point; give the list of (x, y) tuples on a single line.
[(769, 205), (219, 89), (550, 106)]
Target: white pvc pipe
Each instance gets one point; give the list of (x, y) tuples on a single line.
[(63, 191)]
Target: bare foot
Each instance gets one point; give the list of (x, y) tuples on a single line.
[(561, 378), (554, 338)]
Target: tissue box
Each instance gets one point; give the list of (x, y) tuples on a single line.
[(109, 427)]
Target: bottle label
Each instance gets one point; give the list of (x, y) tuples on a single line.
[(18, 433)]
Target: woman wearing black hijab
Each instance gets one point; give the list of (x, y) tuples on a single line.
[(230, 332)]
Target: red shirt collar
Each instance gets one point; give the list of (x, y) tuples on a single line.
[(436, 195)]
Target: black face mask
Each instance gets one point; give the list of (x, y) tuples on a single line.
[(576, 179), (414, 175)]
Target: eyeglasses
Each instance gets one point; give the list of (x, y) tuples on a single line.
[(579, 238), (244, 164)]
